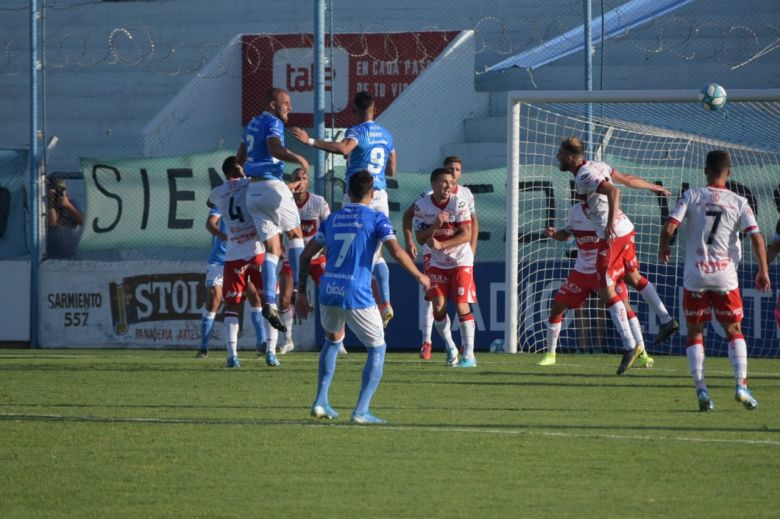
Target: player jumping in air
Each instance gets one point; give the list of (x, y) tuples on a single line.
[(269, 200), (368, 147), (600, 198), (350, 237), (713, 250), (243, 259), (583, 281)]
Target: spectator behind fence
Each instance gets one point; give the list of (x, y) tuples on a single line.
[(64, 220)]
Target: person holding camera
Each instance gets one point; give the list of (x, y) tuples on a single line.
[(64, 221)]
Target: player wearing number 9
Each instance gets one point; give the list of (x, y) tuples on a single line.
[(368, 147), (715, 218)]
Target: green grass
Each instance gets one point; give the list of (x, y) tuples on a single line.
[(160, 433)]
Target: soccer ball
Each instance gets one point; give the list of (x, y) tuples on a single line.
[(712, 97), (497, 346)]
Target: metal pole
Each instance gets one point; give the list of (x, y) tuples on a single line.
[(35, 178), (319, 92), (588, 24)]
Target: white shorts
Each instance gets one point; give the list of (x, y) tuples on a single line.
[(214, 273), (378, 203), (271, 204), (366, 323)]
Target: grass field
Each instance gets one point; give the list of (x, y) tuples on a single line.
[(160, 433)]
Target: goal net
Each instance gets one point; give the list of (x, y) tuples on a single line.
[(664, 138)]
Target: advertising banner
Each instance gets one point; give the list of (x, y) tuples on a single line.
[(150, 304), (383, 64)]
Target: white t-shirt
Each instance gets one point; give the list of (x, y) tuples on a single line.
[(242, 241), (715, 217), (458, 214), (596, 206), (578, 225)]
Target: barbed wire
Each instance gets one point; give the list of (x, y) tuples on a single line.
[(136, 46)]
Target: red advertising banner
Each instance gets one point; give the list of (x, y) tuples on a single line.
[(382, 64)]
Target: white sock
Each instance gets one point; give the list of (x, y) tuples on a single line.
[(695, 353), (620, 318), (650, 296), (427, 324), (273, 336), (443, 327), (467, 327), (553, 332), (636, 329), (738, 358), (231, 334), (287, 319)]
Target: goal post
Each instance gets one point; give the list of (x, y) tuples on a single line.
[(661, 136)]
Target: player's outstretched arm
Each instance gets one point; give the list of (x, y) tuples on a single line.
[(343, 147), (759, 248), (411, 248), (635, 182), (406, 262), (302, 306), (664, 250)]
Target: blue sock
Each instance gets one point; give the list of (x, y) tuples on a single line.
[(294, 250), (206, 324), (269, 278), (382, 275), (258, 321), (372, 374), (328, 356)]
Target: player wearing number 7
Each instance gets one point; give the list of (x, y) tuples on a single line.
[(350, 236), (715, 218), (368, 147)]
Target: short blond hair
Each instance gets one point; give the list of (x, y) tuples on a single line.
[(573, 146)]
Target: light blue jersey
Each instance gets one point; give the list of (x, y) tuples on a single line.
[(351, 235), (374, 145), (259, 161), (218, 247)]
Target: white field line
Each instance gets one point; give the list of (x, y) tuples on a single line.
[(390, 428)]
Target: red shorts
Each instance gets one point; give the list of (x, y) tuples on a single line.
[(615, 258), (238, 273), (578, 286), (698, 306), (316, 269), (454, 283)]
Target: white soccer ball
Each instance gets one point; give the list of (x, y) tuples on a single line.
[(713, 97), (497, 346)]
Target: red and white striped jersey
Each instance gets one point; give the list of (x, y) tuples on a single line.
[(426, 213), (713, 250), (579, 226), (230, 198), (587, 180)]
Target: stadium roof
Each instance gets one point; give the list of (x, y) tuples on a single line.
[(616, 22)]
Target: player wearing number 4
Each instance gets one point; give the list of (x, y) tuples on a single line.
[(715, 218), (269, 200), (368, 147), (350, 237), (243, 259), (600, 198)]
